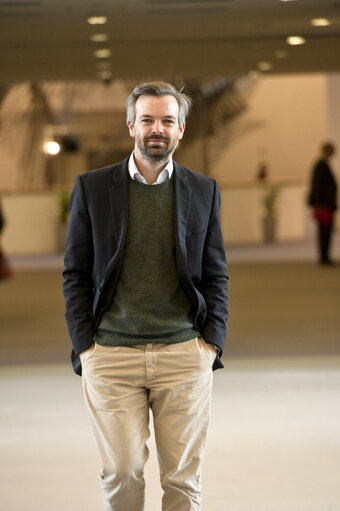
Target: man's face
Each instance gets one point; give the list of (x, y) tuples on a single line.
[(156, 130)]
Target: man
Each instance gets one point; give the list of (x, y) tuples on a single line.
[(323, 198), (145, 286)]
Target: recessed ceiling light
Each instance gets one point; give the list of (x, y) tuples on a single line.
[(265, 66), (287, 0), (97, 20), (99, 38), (281, 54), (320, 22), (295, 40), (102, 53), (51, 147)]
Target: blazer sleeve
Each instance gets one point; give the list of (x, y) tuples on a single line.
[(215, 279), (78, 266)]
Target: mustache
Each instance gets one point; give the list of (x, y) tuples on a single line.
[(157, 137)]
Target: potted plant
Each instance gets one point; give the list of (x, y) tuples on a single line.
[(64, 213), (269, 202)]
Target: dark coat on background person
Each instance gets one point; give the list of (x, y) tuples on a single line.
[(2, 219), (323, 186), (95, 252)]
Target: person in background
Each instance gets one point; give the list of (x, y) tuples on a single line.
[(145, 287), (323, 199), (2, 219), (5, 269)]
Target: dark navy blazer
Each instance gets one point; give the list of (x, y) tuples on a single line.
[(95, 252)]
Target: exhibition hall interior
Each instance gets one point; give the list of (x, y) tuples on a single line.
[(264, 78)]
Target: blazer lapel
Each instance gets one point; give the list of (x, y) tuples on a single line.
[(182, 208), (119, 201)]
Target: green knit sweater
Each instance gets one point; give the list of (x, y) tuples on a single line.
[(149, 304)]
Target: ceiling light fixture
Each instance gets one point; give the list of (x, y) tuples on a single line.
[(102, 53), (265, 66), (51, 147), (320, 22), (99, 38), (97, 20), (295, 40)]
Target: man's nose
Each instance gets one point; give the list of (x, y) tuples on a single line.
[(157, 127)]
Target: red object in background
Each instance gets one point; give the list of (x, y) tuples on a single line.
[(323, 215), (5, 269)]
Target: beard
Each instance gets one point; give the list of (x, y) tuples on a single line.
[(156, 152)]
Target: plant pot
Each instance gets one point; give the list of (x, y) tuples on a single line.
[(269, 229)]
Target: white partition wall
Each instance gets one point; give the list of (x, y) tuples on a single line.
[(32, 225), (242, 214), (286, 120)]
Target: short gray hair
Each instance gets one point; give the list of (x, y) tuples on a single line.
[(158, 89)]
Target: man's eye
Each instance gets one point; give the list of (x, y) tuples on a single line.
[(146, 121), (169, 121)]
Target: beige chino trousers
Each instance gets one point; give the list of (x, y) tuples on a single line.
[(120, 385)]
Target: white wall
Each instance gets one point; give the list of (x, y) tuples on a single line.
[(32, 225), (242, 213), (287, 119), (333, 94)]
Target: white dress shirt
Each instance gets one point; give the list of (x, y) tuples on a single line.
[(137, 176)]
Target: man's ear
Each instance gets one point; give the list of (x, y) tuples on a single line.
[(131, 129), (181, 131)]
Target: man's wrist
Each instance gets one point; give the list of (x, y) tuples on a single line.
[(216, 348)]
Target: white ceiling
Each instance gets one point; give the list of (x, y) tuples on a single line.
[(170, 39)]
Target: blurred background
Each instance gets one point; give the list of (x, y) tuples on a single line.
[(264, 76)]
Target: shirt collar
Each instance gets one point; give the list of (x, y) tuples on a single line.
[(137, 176)]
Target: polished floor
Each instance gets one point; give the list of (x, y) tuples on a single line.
[(274, 440)]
